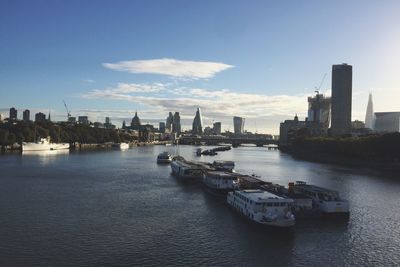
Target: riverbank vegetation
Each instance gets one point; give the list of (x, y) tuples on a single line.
[(18, 132), (385, 147)]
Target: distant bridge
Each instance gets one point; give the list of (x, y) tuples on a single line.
[(234, 141)]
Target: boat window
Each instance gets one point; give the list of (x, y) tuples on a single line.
[(276, 204), (283, 204), (269, 204)]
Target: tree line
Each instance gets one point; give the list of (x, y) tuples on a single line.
[(18, 132), (380, 147)]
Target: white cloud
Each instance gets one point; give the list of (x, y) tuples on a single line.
[(89, 81), (171, 67), (218, 105), (126, 88)]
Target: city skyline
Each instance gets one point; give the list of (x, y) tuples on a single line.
[(249, 62)]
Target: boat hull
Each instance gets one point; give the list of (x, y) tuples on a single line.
[(261, 219), (44, 147)]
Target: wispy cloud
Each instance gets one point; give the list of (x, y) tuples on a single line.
[(171, 67), (89, 81), (125, 88), (215, 104)]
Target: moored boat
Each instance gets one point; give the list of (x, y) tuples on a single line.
[(121, 146), (262, 207), (42, 145), (164, 157), (302, 206), (186, 171), (326, 200), (220, 182), (224, 165)]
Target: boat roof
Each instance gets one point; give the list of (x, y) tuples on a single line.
[(315, 188), (187, 165), (221, 173), (224, 162), (257, 194)]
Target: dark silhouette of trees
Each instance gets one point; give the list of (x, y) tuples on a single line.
[(21, 131), (380, 147)]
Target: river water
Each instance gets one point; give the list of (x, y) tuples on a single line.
[(121, 208)]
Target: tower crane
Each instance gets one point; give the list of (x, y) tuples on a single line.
[(68, 111), (317, 89)]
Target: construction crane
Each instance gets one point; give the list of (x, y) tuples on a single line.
[(68, 111), (317, 89)]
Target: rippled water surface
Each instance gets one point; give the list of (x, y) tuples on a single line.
[(121, 208)]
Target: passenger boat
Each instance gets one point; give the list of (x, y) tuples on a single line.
[(164, 157), (302, 204), (186, 171), (327, 201), (220, 182), (223, 165), (262, 207), (42, 145)]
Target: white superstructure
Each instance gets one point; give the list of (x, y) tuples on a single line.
[(43, 145), (328, 201), (186, 171), (262, 207), (220, 181)]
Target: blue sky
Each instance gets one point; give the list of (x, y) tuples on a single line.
[(257, 59)]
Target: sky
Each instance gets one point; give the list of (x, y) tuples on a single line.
[(256, 59)]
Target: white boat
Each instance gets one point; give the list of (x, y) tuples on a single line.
[(124, 146), (181, 169), (224, 165), (120, 145), (164, 157), (262, 207), (327, 201), (220, 182), (42, 145)]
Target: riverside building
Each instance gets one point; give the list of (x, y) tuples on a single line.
[(341, 99), (387, 122), (13, 114), (26, 115)]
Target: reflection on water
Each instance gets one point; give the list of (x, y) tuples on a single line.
[(121, 208), (46, 156)]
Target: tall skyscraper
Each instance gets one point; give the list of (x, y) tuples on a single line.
[(319, 109), (176, 123), (13, 114), (341, 99), (197, 126), (169, 121), (238, 125), (26, 115), (369, 116)]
